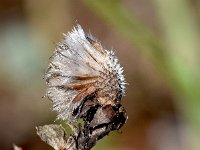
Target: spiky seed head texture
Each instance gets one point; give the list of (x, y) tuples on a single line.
[(80, 67)]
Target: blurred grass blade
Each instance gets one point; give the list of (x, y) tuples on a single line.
[(138, 34), (182, 38)]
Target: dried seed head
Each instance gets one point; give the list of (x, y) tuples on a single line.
[(81, 74)]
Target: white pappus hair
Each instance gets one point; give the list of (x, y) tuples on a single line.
[(80, 67)]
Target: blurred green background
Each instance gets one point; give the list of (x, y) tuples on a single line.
[(157, 42)]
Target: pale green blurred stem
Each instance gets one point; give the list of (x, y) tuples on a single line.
[(139, 35), (182, 38), (178, 61)]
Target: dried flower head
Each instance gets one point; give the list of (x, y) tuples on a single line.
[(83, 75)]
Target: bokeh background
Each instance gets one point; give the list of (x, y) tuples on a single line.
[(157, 42)]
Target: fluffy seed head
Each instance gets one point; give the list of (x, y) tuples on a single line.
[(81, 74)]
